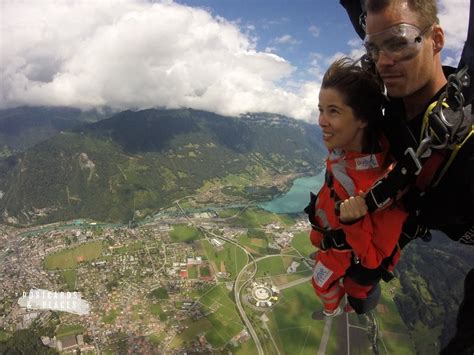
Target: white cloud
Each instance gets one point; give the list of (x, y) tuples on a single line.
[(357, 48), (286, 39), (355, 42), (450, 61), (454, 18), (314, 30), (138, 54), (316, 68)]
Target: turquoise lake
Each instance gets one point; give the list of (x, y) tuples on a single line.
[(297, 198)]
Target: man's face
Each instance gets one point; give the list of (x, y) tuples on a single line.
[(402, 75)]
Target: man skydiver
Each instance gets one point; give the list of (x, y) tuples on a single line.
[(403, 40)]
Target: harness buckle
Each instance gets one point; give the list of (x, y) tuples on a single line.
[(411, 153), (377, 203), (336, 244)]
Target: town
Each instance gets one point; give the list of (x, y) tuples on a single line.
[(146, 284)]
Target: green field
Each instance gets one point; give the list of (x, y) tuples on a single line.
[(70, 329), (193, 330), (400, 344), (422, 336), (70, 277), (390, 319), (290, 321), (181, 233), (233, 257), (130, 248), (205, 271), (302, 243), (156, 310), (246, 348), (192, 272), (230, 212), (224, 318), (255, 245), (394, 335), (159, 293), (4, 336), (157, 338), (110, 317), (256, 218), (69, 258), (274, 265)]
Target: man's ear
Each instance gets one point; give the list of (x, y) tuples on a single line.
[(438, 38)]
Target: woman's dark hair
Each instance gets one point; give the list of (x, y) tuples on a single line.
[(362, 92), (360, 89)]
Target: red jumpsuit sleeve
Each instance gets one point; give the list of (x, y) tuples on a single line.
[(375, 236)]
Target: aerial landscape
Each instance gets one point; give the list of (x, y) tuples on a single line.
[(156, 158), (223, 268)]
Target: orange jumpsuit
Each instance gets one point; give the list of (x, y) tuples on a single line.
[(372, 238)]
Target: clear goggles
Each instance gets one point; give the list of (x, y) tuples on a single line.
[(400, 42)]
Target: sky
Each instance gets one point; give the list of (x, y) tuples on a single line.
[(224, 56)]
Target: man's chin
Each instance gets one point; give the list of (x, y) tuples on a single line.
[(396, 92)]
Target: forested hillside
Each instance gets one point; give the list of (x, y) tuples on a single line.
[(137, 162)]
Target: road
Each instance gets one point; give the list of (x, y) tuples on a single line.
[(237, 291), (296, 282), (250, 261), (238, 302)]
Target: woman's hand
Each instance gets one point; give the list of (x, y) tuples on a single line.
[(353, 208)]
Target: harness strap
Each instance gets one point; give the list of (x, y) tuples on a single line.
[(439, 130), (387, 188), (455, 151), (332, 238), (421, 168), (430, 168)]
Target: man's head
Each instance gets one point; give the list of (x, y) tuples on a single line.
[(405, 41), (425, 10)]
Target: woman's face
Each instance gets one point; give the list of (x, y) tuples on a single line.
[(341, 130)]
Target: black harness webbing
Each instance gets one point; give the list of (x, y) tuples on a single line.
[(467, 56), (332, 238)]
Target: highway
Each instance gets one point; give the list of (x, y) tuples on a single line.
[(237, 291), (250, 261)]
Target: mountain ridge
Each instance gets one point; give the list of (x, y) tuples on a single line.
[(145, 160)]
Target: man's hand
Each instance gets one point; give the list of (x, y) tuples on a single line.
[(353, 208)]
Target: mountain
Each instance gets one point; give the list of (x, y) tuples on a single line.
[(432, 279), (137, 162), (23, 127)]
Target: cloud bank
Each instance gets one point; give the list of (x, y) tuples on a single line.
[(454, 18), (136, 54)]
